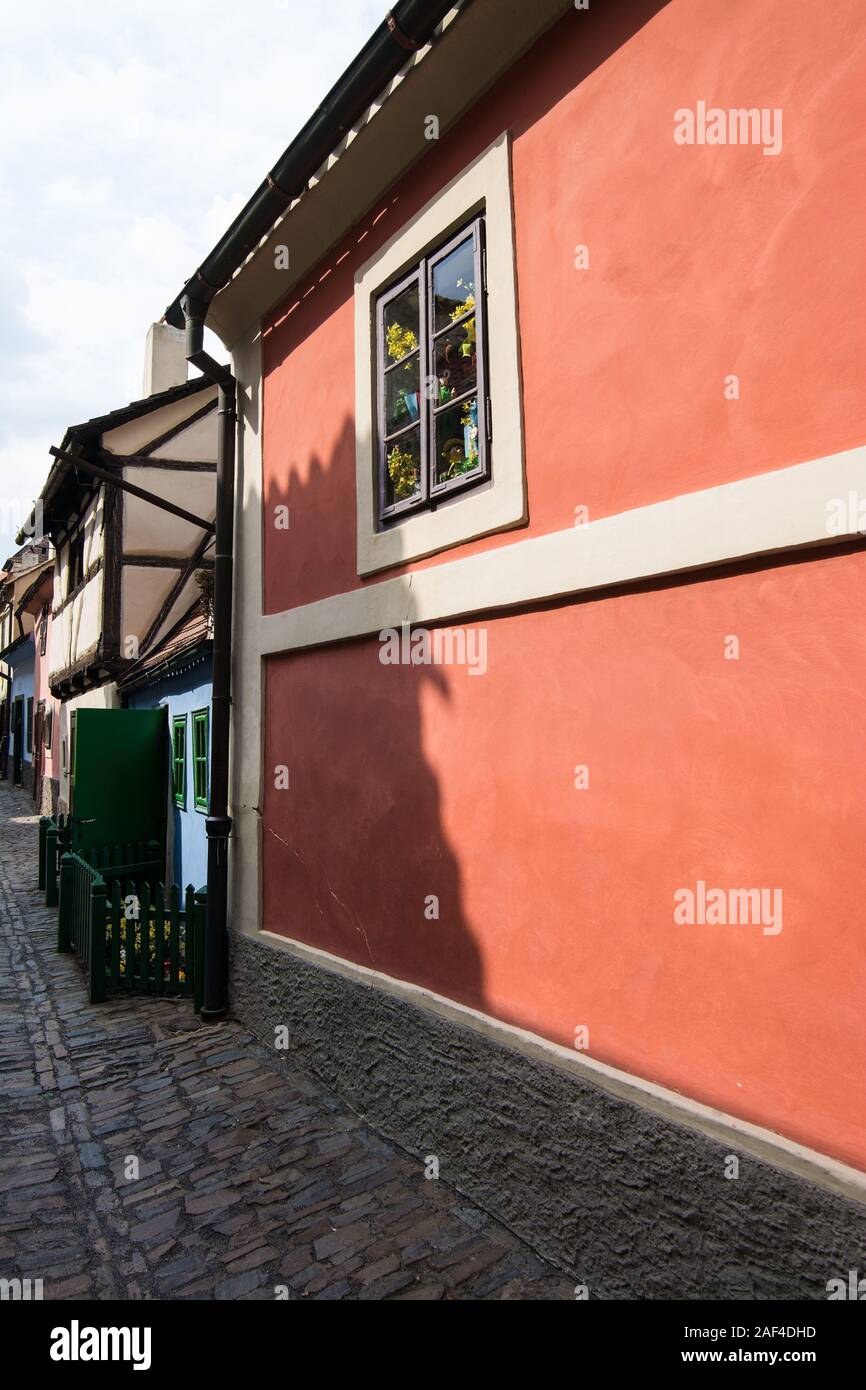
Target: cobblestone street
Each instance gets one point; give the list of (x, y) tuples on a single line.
[(251, 1176)]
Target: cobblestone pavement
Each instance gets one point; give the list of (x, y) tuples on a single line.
[(252, 1175)]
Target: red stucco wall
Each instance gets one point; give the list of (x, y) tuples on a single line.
[(704, 261), (556, 905)]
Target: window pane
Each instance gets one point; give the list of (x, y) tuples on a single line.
[(200, 755), (403, 468), (454, 284), (456, 361), (456, 448), (402, 401), (401, 325), (179, 770)]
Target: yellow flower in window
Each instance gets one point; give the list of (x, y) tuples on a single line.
[(399, 341), (403, 472), (461, 309)]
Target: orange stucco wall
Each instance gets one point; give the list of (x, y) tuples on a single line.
[(704, 261), (556, 904)]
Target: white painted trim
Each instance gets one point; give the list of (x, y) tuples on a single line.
[(763, 1143), (247, 742), (783, 510), (485, 183)]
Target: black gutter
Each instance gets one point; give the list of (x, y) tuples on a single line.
[(218, 823), (409, 26)]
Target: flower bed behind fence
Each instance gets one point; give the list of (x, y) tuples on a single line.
[(128, 933)]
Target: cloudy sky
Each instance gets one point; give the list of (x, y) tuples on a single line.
[(131, 132)]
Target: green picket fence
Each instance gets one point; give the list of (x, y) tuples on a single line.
[(131, 936), (138, 860), (54, 837), (46, 823)]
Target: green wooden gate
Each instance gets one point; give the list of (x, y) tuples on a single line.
[(119, 777)]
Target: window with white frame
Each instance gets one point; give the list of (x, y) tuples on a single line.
[(433, 415), (438, 412)]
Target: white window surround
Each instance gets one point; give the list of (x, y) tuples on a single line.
[(483, 184)]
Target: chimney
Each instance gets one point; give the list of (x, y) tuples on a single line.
[(164, 358)]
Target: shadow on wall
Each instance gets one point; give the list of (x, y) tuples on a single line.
[(356, 859)]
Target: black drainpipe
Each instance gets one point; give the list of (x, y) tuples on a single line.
[(218, 823), (405, 29)]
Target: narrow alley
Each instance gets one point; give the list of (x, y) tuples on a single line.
[(253, 1181)]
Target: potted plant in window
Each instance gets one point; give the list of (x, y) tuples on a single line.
[(403, 472), (400, 341)]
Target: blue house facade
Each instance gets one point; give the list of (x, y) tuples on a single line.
[(20, 658), (177, 677)]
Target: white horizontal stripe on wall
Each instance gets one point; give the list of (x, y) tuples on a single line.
[(784, 510)]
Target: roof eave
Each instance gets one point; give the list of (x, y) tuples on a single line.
[(387, 140)]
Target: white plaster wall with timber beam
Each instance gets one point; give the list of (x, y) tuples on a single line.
[(196, 444), (76, 630), (147, 530), (137, 434), (143, 591)]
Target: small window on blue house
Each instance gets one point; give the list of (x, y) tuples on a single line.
[(178, 760), (199, 758)]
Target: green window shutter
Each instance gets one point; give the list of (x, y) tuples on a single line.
[(178, 761), (29, 726), (200, 742)]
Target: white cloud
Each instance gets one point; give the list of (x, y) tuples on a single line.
[(133, 134)]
